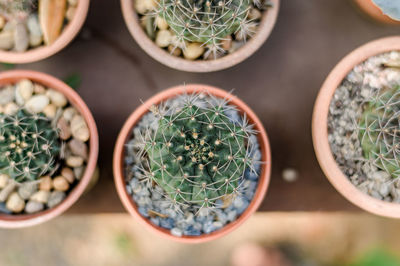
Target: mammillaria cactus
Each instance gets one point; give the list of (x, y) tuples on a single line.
[(389, 7), (29, 145), (197, 154), (206, 21), (16, 9), (379, 131)]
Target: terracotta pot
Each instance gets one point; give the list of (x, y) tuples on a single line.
[(159, 54), (374, 12), (320, 128), (126, 133), (24, 220), (42, 52)]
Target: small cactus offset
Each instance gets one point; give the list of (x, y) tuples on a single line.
[(197, 154), (379, 131), (16, 9), (29, 145), (206, 21)]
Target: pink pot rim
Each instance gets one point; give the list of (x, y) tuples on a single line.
[(320, 129), (265, 29), (42, 52), (25, 220), (126, 132)]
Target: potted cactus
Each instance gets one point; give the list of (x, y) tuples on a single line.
[(200, 36), (383, 11), (356, 127), (48, 148), (31, 30), (192, 163)]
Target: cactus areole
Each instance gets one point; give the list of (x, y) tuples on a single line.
[(29, 145)]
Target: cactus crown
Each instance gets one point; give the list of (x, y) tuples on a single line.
[(14, 9), (197, 154), (29, 145), (379, 131), (205, 21)]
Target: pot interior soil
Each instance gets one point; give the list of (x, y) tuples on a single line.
[(50, 165), (353, 127), (192, 216), (29, 24)]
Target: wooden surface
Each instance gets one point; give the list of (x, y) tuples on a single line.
[(280, 82)]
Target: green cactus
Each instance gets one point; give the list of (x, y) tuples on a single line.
[(379, 131), (29, 145), (197, 154), (205, 21)]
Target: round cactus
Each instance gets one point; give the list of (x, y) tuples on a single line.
[(379, 131), (29, 145), (197, 154)]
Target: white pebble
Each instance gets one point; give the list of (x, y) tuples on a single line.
[(290, 175), (15, 203), (57, 98), (163, 38), (37, 103), (193, 51)]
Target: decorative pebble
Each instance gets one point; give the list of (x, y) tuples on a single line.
[(290, 175), (74, 161), (55, 198), (11, 108), (65, 131), (33, 206), (226, 43), (57, 98), (50, 111), (45, 183), (78, 148), (161, 23), (26, 190), (37, 103), (6, 191), (70, 14), (23, 91), (68, 174), (69, 113), (79, 128), (60, 183), (3, 208), (15, 203), (2, 22), (142, 6), (193, 51), (163, 38), (176, 232), (21, 38), (7, 95), (174, 50), (73, 2), (40, 196), (34, 26), (38, 89), (3, 180), (78, 172), (6, 40)]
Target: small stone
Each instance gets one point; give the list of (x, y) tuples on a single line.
[(226, 43), (384, 189), (45, 183), (78, 148), (7, 95), (11, 109), (176, 51), (21, 38), (3, 180), (6, 40), (34, 25), (290, 175), (73, 2), (380, 176), (78, 172), (15, 203), (38, 89), (69, 113), (163, 38), (74, 161), (35, 40), (2, 22), (68, 174), (176, 232), (70, 14), (26, 190), (6, 191), (161, 23), (65, 131), (37, 103), (60, 183), (23, 91), (193, 51), (254, 14), (50, 111), (142, 6), (33, 206), (40, 196), (57, 98), (79, 128), (56, 197)]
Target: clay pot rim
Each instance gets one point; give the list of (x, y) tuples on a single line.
[(374, 12), (265, 28), (42, 52), (320, 129), (25, 220), (126, 133)]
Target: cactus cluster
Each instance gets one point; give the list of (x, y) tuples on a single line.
[(16, 9), (29, 145), (197, 154), (206, 21), (379, 131)]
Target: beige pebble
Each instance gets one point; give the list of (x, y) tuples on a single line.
[(2, 22), (254, 14), (50, 110), (176, 51), (24, 90), (60, 183), (79, 128), (35, 40), (163, 38), (15, 203), (45, 183), (4, 180), (57, 98), (70, 14), (161, 23), (142, 6), (74, 161), (5, 192), (193, 51), (226, 44), (69, 113), (68, 174), (10, 109), (37, 103), (65, 131), (78, 172), (78, 148), (6, 39), (73, 2), (41, 196), (38, 89)]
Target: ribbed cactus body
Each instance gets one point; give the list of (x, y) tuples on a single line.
[(379, 131), (29, 145), (204, 21), (198, 155)]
